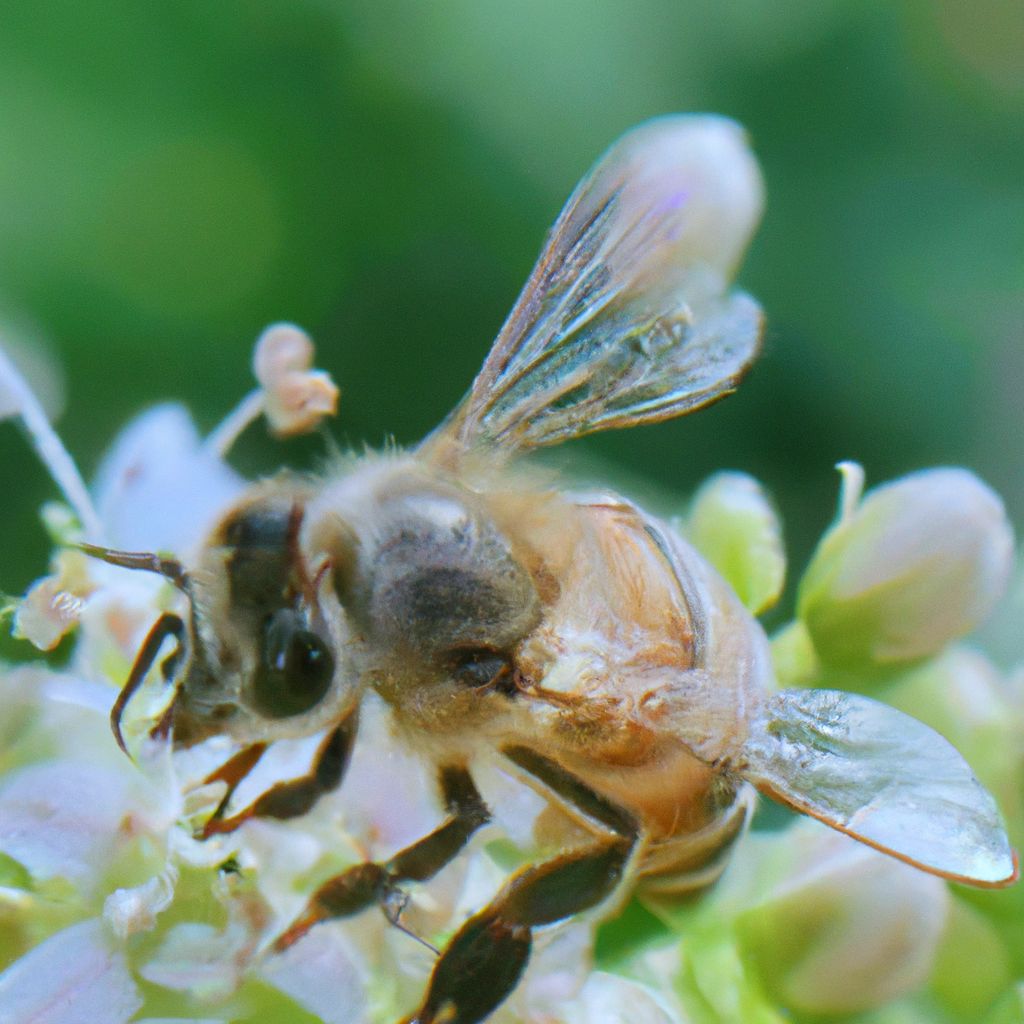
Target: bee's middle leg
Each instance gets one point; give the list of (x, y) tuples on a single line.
[(365, 884), (485, 959)]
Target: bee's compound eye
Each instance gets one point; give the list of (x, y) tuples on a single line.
[(480, 668), (296, 668)]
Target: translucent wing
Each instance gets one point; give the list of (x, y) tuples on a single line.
[(882, 777), (627, 318)]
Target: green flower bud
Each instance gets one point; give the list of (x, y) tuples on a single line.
[(963, 696), (1009, 1009), (973, 965), (845, 928), (733, 524), (916, 564)]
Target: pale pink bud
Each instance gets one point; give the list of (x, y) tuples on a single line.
[(53, 605), (296, 397)]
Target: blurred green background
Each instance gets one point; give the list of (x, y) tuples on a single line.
[(173, 176)]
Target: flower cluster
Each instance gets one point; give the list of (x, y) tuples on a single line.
[(809, 923), (112, 910)]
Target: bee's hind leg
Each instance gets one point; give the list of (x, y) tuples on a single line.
[(484, 960), (289, 799), (365, 884)]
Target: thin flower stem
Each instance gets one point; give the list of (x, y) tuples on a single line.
[(231, 427), (51, 451)]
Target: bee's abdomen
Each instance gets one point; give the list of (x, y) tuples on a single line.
[(683, 866)]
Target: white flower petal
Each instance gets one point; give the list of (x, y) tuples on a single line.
[(72, 978), (19, 698), (559, 965), (323, 974), (59, 818), (388, 797), (83, 693), (159, 488), (515, 806), (611, 999), (135, 910), (200, 959)]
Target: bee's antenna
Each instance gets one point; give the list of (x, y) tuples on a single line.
[(170, 568)]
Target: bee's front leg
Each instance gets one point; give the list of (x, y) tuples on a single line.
[(484, 960), (168, 625), (365, 884), (289, 799)]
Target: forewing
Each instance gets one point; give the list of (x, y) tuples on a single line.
[(882, 777), (626, 317)]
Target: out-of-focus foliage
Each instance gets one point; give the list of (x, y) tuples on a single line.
[(175, 176)]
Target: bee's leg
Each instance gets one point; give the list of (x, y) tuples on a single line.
[(365, 884), (167, 625), (168, 669), (289, 799), (484, 960), (232, 771)]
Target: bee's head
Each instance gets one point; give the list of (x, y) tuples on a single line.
[(265, 657)]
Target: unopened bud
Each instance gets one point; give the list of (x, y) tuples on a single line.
[(733, 524), (847, 928), (296, 397), (53, 605), (708, 186), (916, 564)]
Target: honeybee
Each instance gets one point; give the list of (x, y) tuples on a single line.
[(572, 635)]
